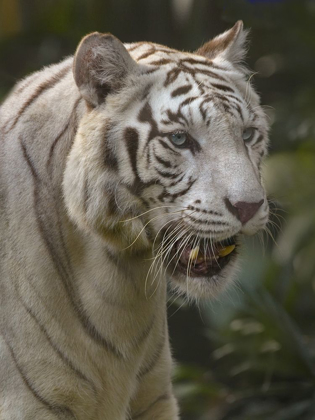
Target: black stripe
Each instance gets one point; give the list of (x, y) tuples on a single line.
[(206, 72), (204, 210), (259, 139), (111, 203), (239, 110), (145, 116), (62, 132), (177, 118), (110, 158), (167, 50), (183, 192), (132, 143), (166, 122), (162, 161), (161, 62), (131, 137), (181, 90), (48, 84), (135, 46), (157, 354), (62, 356), (222, 87), (26, 84), (150, 70), (58, 410), (169, 175), (211, 74), (188, 101), (145, 333), (147, 53), (177, 181), (146, 91), (171, 76), (206, 222), (229, 96), (202, 110), (196, 61), (254, 117), (227, 109), (86, 196), (166, 146), (166, 194), (162, 397)]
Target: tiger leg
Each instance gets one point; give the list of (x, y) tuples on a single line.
[(154, 398)]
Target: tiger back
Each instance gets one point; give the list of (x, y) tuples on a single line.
[(121, 169)]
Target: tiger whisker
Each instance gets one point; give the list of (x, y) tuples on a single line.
[(267, 230), (166, 249), (192, 212), (181, 245), (148, 211), (190, 260), (155, 261), (151, 220), (184, 231), (156, 258), (180, 252)]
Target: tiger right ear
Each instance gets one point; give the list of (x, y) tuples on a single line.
[(229, 46), (100, 66)]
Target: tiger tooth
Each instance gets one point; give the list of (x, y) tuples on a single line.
[(194, 253), (223, 252)]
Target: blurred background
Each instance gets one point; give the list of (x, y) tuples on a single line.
[(251, 354)]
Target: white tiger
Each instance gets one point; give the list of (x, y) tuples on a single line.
[(141, 151)]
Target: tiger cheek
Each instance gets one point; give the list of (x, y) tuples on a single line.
[(90, 183)]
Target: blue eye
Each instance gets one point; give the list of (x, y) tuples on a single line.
[(179, 138), (248, 134)]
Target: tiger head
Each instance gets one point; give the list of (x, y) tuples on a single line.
[(167, 156)]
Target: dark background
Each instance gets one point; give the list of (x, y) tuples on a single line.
[(251, 354)]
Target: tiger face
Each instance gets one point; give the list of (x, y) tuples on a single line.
[(168, 156)]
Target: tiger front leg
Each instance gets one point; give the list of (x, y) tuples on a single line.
[(154, 398), (163, 407)]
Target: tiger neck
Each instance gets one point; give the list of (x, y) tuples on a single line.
[(118, 296)]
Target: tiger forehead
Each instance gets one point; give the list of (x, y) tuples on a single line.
[(188, 99), (173, 62), (193, 68), (192, 80), (156, 54)]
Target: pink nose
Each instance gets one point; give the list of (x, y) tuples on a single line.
[(242, 210)]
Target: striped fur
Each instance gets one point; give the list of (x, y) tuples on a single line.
[(91, 187)]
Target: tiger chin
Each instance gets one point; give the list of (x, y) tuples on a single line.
[(122, 168)]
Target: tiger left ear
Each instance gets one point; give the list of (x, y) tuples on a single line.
[(100, 67), (229, 46)]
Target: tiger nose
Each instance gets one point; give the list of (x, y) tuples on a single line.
[(243, 210)]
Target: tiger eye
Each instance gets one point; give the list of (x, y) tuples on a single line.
[(248, 134), (179, 138)]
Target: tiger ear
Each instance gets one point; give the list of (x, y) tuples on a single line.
[(100, 66), (229, 46)]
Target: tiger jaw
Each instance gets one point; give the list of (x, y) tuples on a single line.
[(204, 260)]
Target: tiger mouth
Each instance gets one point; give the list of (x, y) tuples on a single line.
[(203, 260)]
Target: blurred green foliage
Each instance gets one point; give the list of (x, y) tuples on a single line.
[(251, 354)]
